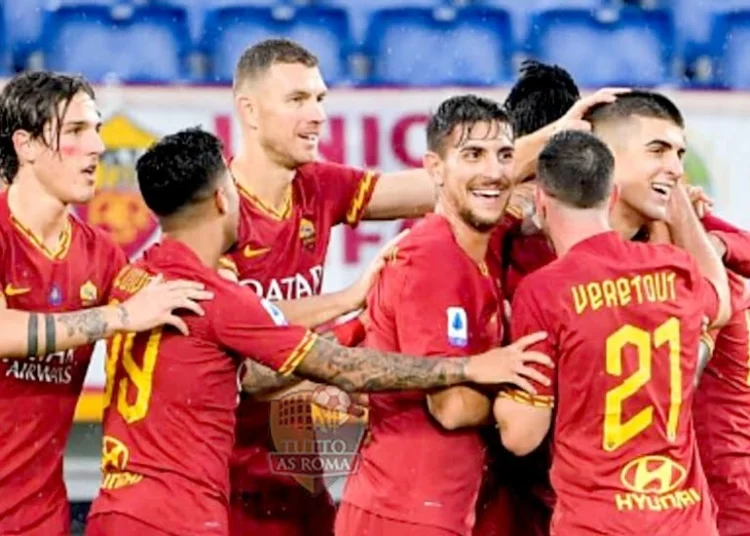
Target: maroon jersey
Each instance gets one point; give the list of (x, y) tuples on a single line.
[(169, 421), (624, 321), (281, 256), (516, 253), (432, 300), (39, 394), (721, 411), (737, 242)]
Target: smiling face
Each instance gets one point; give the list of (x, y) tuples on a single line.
[(474, 174), (287, 112), (648, 164)]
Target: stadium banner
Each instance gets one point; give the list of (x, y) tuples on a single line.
[(380, 129)]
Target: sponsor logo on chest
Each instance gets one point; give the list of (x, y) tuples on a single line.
[(299, 285), (55, 368)]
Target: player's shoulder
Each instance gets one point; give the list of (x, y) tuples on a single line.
[(657, 254), (94, 237), (430, 240), (322, 170)]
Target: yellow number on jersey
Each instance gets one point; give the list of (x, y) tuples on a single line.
[(140, 377), (617, 432)]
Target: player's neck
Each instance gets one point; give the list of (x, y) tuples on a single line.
[(625, 220), (204, 238), (36, 209), (469, 239), (574, 227), (259, 174)]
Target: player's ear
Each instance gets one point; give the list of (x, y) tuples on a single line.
[(540, 202), (24, 146), (614, 196), (433, 164), (221, 200), (247, 110)]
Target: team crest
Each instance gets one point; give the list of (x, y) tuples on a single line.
[(307, 233), (89, 293), (316, 440), (117, 206)]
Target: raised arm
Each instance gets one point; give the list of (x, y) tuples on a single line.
[(688, 233)]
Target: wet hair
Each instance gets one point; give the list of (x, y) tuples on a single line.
[(258, 58), (461, 111), (542, 95), (30, 101), (179, 170), (576, 168)]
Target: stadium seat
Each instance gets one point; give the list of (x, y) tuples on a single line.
[(522, 11), (609, 47), (471, 47), (148, 44), (324, 30), (730, 48), (361, 11)]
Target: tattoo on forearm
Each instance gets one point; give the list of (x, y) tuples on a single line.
[(32, 337), (89, 323), (49, 334), (259, 378), (124, 316), (366, 369)]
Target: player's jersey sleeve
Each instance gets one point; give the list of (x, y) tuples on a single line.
[(248, 326), (737, 242), (347, 190), (432, 316), (527, 317)]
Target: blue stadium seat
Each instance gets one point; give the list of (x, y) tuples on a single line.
[(360, 11), (693, 19), (625, 47), (148, 44), (522, 11), (472, 47), (324, 30), (730, 47)]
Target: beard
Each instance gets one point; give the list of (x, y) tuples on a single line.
[(481, 225)]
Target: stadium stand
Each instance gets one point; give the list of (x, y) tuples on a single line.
[(363, 41)]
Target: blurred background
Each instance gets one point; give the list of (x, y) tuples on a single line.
[(162, 65)]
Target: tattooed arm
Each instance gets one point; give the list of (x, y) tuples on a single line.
[(367, 369), (263, 382), (29, 334)]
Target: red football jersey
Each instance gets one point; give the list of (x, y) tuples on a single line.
[(516, 253), (737, 242), (169, 423), (431, 300), (281, 256), (39, 394), (624, 321), (721, 412)]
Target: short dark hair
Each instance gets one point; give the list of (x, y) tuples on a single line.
[(465, 111), (543, 94), (179, 170), (636, 103), (576, 168), (29, 101), (261, 56)]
